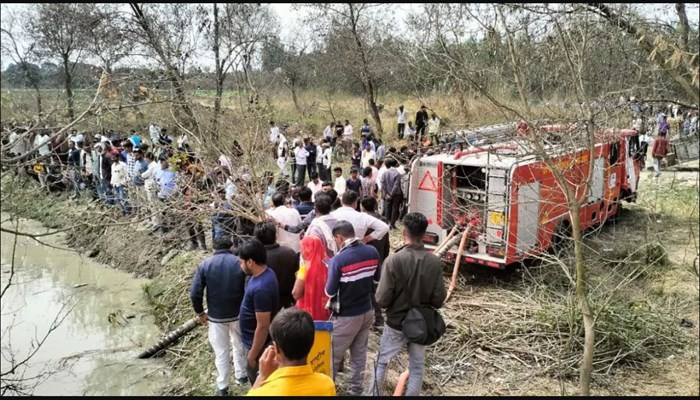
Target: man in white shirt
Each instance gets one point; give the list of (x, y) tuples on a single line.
[(326, 160), (319, 158), (340, 183), (154, 132), (380, 176), (42, 141), (274, 136), (315, 185), (401, 118), (347, 131), (285, 216), (300, 154), (361, 222), (120, 176), (282, 155), (367, 154), (328, 132)]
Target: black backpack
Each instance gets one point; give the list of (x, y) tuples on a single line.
[(423, 325)]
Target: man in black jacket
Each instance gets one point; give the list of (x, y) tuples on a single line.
[(224, 281), (104, 188), (283, 260), (411, 277), (421, 122)]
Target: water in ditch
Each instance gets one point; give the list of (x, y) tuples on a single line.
[(96, 318)]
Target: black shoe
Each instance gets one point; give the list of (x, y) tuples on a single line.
[(242, 381), (222, 392)]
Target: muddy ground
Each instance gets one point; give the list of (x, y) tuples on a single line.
[(666, 212)]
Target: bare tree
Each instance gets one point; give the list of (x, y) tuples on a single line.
[(61, 31), (21, 55), (108, 39), (171, 33), (358, 26), (234, 32), (670, 54)]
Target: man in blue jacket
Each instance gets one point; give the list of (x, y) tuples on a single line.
[(224, 281)]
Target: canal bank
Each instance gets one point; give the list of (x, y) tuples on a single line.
[(91, 321)]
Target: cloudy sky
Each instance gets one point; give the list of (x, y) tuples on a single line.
[(291, 19)]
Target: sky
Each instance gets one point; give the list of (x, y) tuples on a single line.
[(291, 19)]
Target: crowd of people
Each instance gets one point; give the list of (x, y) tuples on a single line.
[(263, 296), (320, 248)]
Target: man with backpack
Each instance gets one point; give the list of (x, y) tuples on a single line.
[(411, 277)]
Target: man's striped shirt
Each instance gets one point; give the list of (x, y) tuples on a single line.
[(350, 275)]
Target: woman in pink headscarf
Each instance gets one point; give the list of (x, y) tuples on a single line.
[(309, 288)]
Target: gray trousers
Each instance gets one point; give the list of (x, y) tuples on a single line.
[(391, 343), (352, 333)]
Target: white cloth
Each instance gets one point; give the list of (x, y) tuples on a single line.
[(319, 154), (401, 117), (287, 216), (409, 132), (315, 187), (225, 161), (154, 131), (230, 189), (366, 156), (283, 147), (149, 177), (225, 337), (327, 156), (380, 175), (361, 222), (347, 131), (300, 153), (42, 141), (320, 223), (433, 125), (120, 174), (86, 161), (375, 173), (274, 134), (282, 165), (328, 133), (340, 185), (77, 138)]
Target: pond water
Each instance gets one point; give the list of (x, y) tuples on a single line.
[(98, 316)]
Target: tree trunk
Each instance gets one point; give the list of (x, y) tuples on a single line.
[(68, 81), (217, 108), (38, 100), (295, 99), (367, 81), (517, 71), (181, 99), (219, 76), (684, 28), (582, 297), (374, 111)]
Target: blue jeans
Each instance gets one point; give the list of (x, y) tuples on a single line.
[(104, 190), (75, 181), (391, 343), (120, 196)]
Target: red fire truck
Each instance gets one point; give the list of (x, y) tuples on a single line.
[(510, 198)]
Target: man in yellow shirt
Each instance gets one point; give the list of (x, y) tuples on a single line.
[(284, 370)]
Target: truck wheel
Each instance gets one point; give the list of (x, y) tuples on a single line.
[(562, 239)]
